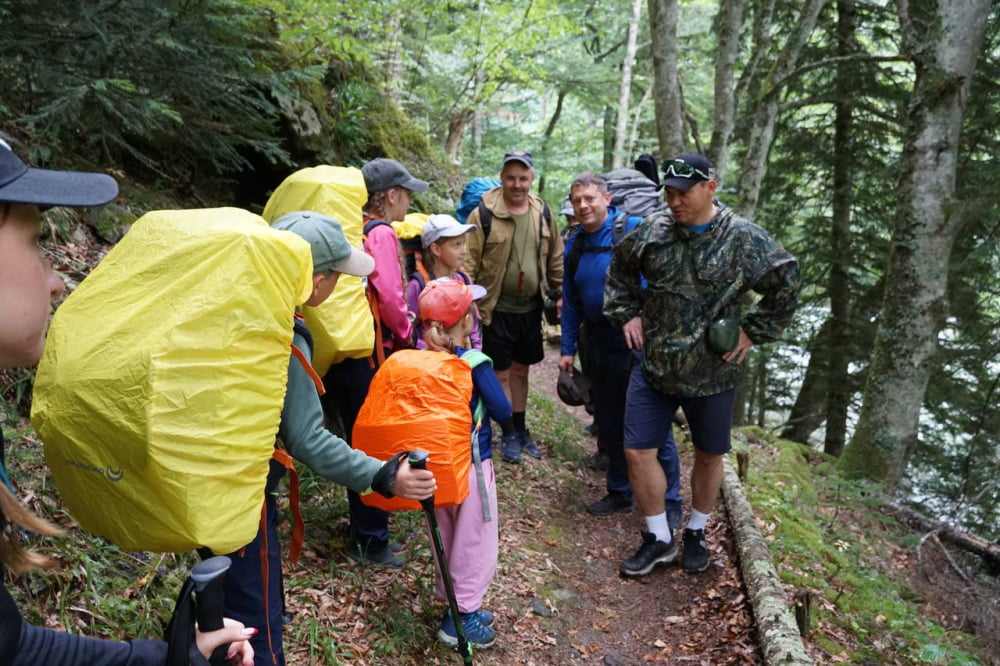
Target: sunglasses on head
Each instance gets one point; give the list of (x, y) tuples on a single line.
[(681, 169)]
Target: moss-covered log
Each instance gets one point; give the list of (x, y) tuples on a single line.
[(779, 637)]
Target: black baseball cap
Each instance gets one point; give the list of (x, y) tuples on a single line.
[(687, 170), (22, 184), (384, 174), (522, 156)]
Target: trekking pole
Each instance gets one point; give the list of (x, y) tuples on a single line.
[(208, 576), (205, 582), (418, 460)]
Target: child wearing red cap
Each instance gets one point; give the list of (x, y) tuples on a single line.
[(469, 531)]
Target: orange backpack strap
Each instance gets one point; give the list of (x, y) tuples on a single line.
[(283, 458), (373, 304), (307, 366)]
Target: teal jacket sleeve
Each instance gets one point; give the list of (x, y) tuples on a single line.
[(306, 438)]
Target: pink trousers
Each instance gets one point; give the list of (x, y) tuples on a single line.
[(470, 544)]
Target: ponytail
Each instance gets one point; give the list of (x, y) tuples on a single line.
[(14, 516)]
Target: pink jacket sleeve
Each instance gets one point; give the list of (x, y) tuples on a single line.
[(387, 280)]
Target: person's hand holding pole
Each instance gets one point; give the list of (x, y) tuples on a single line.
[(413, 483)]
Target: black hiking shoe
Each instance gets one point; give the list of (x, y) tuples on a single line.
[(528, 445), (379, 556), (597, 461), (510, 447), (650, 554), (609, 504), (695, 552)]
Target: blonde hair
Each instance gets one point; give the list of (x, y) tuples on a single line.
[(12, 551)]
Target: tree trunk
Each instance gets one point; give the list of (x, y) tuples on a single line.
[(943, 43), (970, 542), (729, 21), (547, 135), (456, 132), (766, 104), (838, 397), (609, 138), (663, 16), (625, 89), (394, 56), (633, 135)]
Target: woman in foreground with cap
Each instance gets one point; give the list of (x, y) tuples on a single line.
[(27, 286)]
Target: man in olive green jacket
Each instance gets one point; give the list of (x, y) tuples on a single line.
[(516, 253)]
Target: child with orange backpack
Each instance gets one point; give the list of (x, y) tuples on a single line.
[(469, 530), (444, 251)]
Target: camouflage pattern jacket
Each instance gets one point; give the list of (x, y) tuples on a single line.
[(693, 280)]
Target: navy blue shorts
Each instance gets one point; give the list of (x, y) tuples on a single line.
[(514, 336), (648, 416)]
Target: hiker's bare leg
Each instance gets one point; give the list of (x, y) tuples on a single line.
[(648, 481), (706, 479), (503, 376), (518, 386)]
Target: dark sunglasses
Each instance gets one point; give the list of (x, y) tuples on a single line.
[(681, 169)]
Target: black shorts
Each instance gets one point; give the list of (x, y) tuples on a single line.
[(514, 336)]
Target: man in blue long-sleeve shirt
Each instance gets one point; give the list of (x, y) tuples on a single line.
[(606, 357)]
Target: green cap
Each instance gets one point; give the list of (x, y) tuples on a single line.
[(330, 249)]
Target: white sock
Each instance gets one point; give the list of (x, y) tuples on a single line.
[(697, 520), (657, 525)]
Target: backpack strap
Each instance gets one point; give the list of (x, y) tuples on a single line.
[(486, 218), (283, 458), (371, 223), (475, 358)]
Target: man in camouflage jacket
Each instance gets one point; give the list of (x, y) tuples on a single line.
[(698, 260)]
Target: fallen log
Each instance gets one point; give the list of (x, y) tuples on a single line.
[(970, 542)]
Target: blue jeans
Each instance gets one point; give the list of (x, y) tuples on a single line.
[(609, 366)]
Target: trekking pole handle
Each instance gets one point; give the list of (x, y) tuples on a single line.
[(418, 460), (208, 576)]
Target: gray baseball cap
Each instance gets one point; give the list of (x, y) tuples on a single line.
[(44, 188), (383, 174), (330, 249)]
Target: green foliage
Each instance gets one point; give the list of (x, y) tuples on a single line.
[(177, 89), (827, 535)]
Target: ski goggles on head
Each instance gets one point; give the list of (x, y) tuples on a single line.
[(680, 169)]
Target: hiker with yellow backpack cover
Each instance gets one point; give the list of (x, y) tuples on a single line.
[(182, 361), (27, 285), (253, 591)]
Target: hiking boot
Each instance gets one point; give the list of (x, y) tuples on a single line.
[(597, 462), (674, 516), (510, 447), (476, 633), (695, 552), (650, 554), (486, 617), (610, 503), (381, 556), (528, 445)]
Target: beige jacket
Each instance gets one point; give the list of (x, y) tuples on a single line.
[(486, 263)]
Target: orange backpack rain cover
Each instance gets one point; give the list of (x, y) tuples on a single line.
[(419, 399)]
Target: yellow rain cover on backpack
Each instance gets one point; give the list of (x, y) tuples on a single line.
[(160, 391), (342, 327)]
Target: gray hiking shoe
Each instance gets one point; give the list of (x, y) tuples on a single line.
[(528, 445)]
